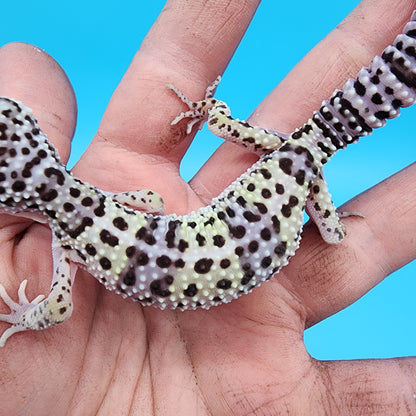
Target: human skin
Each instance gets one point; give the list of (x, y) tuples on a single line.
[(247, 357)]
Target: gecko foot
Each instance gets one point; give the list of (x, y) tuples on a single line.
[(198, 110), (18, 311)]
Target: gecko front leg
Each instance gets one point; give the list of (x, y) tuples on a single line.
[(42, 313), (218, 116), (144, 200)]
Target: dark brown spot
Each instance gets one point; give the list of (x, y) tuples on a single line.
[(100, 210), (266, 173), (219, 240), (239, 251), (105, 263), (265, 193), (108, 238), (142, 259), (74, 192), (293, 201), (120, 223), (42, 154), (286, 165), (90, 249), (141, 232), (377, 98), (87, 201), (280, 249), (300, 177), (261, 207), (201, 240), (203, 265), (265, 234), (63, 225), (238, 232), (149, 239), (280, 189), (230, 212), (253, 246), (251, 217), (210, 221), (224, 284), (68, 207), (170, 238), (182, 245), (179, 264), (266, 262), (191, 290), (18, 186), (286, 210), (60, 178), (381, 115), (359, 88), (248, 275), (276, 224), (160, 287), (130, 277), (225, 263), (241, 201), (130, 251), (48, 196), (163, 261), (51, 213)]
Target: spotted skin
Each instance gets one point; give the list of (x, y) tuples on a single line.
[(210, 256), (143, 200)]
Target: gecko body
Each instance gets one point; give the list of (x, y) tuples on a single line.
[(215, 254)]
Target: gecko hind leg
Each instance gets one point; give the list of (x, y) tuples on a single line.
[(218, 116), (323, 213), (41, 313)]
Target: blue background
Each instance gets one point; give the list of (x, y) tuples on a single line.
[(94, 42)]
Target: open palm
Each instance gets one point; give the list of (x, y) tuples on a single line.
[(247, 357)]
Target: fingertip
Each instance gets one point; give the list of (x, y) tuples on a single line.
[(30, 75)]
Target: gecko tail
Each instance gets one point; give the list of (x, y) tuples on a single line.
[(375, 95)]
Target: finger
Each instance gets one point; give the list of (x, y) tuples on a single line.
[(382, 387), (362, 35), (188, 46), (327, 278), (30, 75)]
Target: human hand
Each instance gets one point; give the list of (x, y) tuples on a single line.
[(114, 357)]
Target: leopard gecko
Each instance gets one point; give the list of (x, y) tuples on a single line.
[(219, 252)]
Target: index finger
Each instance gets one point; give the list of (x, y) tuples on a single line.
[(189, 45)]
